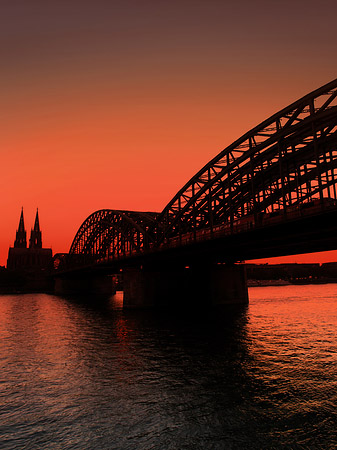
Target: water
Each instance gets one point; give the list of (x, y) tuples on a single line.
[(78, 376)]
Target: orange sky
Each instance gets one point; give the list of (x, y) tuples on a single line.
[(117, 104)]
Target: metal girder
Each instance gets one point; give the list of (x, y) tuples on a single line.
[(284, 165), (111, 234), (287, 159)]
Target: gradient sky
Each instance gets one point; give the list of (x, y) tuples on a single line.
[(116, 104)]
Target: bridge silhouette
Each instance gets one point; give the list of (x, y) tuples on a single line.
[(272, 192)]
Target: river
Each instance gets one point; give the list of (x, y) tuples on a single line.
[(83, 376)]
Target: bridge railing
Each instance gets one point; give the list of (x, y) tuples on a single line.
[(246, 224), (250, 222)]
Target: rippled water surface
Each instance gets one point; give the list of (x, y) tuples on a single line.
[(76, 375)]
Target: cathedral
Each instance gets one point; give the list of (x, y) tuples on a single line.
[(33, 258)]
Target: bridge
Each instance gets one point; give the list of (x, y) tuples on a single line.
[(272, 192)]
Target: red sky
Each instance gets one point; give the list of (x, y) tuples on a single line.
[(116, 104)]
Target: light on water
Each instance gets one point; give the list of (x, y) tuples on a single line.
[(84, 376)]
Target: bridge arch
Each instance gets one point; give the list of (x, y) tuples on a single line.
[(283, 165), (287, 161), (112, 234)]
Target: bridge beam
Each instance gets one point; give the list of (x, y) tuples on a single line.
[(197, 285)]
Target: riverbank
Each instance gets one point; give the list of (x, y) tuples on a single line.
[(260, 283)]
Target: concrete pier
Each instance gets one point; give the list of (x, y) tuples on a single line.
[(86, 285), (197, 285)]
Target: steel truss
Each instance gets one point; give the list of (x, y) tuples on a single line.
[(109, 234), (282, 166), (287, 160)]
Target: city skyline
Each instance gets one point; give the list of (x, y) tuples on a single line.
[(117, 105)]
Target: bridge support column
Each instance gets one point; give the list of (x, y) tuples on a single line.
[(186, 286), (86, 285), (227, 284)]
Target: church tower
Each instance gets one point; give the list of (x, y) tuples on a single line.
[(35, 240), (21, 237), (33, 261)]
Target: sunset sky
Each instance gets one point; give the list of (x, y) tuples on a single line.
[(117, 103)]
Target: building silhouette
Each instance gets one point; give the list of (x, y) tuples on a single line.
[(30, 259)]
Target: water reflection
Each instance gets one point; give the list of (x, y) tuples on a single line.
[(81, 375)]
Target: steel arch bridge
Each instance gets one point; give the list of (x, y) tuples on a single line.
[(110, 234), (283, 168)]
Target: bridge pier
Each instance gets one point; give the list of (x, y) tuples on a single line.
[(196, 285), (85, 285)]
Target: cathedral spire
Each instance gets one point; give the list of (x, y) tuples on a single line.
[(37, 224), (22, 222), (35, 240), (21, 237)]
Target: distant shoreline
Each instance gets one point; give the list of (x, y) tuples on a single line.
[(266, 283)]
